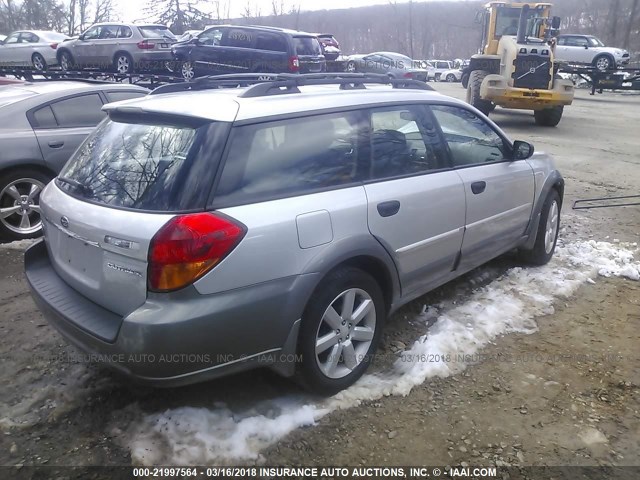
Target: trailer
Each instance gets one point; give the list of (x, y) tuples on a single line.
[(600, 80), (148, 80)]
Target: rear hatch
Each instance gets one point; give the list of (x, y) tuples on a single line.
[(309, 52), (117, 191), (157, 37)]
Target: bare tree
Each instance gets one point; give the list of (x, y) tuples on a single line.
[(631, 23)]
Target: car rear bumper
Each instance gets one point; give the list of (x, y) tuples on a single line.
[(176, 338), (153, 59)]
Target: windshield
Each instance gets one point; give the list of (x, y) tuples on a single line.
[(595, 42), (307, 46), (156, 32), (146, 167)]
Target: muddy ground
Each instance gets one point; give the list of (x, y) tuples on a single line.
[(568, 394)]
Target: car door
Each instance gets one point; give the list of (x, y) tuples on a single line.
[(416, 204), (83, 49), (499, 192), (11, 50), (207, 55), (104, 47), (61, 126)]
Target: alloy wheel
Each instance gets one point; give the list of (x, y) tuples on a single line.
[(345, 333), (19, 206), (187, 71), (123, 64), (551, 229)]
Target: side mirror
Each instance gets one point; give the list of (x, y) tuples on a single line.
[(81, 38), (555, 23), (522, 150)]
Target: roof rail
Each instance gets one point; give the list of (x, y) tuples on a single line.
[(264, 84)]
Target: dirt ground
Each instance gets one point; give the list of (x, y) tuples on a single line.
[(568, 394)]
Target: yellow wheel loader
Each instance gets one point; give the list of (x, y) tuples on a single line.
[(516, 68)]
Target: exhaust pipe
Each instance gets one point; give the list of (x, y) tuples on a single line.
[(522, 25)]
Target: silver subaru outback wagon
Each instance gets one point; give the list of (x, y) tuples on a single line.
[(231, 228)]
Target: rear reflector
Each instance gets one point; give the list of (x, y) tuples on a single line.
[(188, 246), (54, 45)]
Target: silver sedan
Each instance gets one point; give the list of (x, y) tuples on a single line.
[(30, 48)]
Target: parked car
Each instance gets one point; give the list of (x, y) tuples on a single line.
[(394, 64), (41, 125), (123, 47), (439, 67), (453, 75), (30, 48), (330, 46), (589, 50), (280, 228), (227, 49)]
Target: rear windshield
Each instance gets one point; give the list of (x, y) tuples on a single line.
[(307, 46), (54, 36), (165, 168), (157, 32)]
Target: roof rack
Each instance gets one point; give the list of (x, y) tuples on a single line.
[(264, 84)]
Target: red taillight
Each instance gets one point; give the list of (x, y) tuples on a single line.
[(54, 45), (146, 45), (294, 64), (188, 246), (408, 75)]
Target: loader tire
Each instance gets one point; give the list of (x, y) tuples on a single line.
[(473, 92), (549, 117)]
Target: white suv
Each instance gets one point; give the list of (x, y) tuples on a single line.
[(589, 50)]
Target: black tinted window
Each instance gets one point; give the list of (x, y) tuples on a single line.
[(117, 96), (238, 38), (404, 141), (43, 118), (82, 111), (307, 46), (271, 41), (147, 167), (470, 138), (292, 157)]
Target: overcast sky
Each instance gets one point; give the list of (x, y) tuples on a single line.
[(130, 10)]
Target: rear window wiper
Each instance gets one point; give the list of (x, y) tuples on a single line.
[(74, 183)]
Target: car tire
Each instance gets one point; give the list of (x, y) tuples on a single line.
[(187, 71), (604, 63), (66, 61), (473, 92), (547, 234), (19, 203), (451, 78), (327, 317), (123, 63), (38, 62), (465, 80), (548, 117), (350, 67)]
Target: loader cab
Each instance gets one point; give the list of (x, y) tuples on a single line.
[(502, 19)]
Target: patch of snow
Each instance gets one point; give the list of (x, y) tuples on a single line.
[(199, 436), (19, 244)]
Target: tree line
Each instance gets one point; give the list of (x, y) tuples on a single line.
[(435, 29)]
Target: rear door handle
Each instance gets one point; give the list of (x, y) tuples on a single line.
[(56, 144), (388, 209), (478, 187)]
